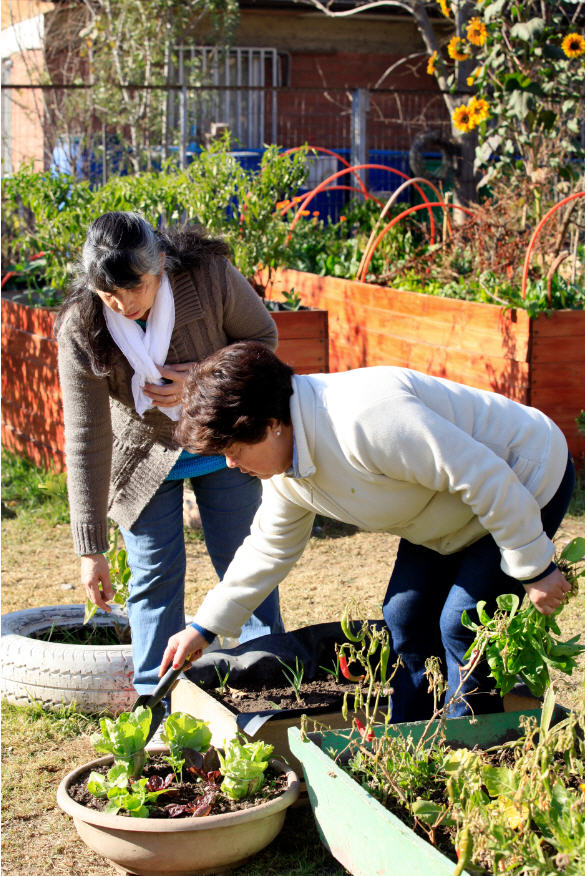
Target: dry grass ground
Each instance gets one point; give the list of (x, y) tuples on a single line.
[(39, 568)]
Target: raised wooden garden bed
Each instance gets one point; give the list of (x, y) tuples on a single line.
[(32, 413), (539, 362)]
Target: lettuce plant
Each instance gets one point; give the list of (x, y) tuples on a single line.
[(122, 793), (243, 765), (125, 738), (184, 731)]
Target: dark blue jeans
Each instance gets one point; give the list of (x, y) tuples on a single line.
[(227, 502), (425, 599)]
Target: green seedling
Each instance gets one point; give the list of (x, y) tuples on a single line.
[(333, 670), (294, 676), (120, 575), (222, 679)]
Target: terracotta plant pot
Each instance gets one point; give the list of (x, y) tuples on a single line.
[(178, 846)]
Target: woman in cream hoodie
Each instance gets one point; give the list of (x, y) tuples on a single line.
[(474, 484)]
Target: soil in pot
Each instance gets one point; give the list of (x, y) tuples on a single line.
[(193, 797)]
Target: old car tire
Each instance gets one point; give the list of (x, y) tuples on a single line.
[(95, 677), (432, 141)]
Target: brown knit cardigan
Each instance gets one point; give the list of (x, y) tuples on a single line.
[(115, 459)]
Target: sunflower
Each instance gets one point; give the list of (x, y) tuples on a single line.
[(479, 109), (457, 49), (444, 7), (573, 45), (462, 118), (474, 75), (476, 32), (431, 66)]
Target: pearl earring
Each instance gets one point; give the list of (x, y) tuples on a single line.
[(278, 432)]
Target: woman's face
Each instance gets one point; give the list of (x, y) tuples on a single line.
[(271, 456), (133, 303)]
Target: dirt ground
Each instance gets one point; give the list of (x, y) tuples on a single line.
[(40, 569)]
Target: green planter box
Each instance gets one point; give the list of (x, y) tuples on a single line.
[(357, 830)]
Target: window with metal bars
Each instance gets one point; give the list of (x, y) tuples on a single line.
[(234, 93)]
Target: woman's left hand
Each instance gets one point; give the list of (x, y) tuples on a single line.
[(168, 394), (548, 593)]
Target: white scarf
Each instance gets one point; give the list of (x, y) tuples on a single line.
[(146, 349)]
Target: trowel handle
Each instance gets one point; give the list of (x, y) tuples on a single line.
[(166, 683)]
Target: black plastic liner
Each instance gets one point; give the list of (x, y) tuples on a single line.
[(254, 664)]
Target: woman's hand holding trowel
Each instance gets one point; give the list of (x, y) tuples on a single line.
[(186, 645)]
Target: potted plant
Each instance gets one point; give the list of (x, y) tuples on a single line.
[(70, 654), (366, 837), (181, 810), (499, 793)]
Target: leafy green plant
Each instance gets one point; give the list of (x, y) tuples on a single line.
[(184, 731), (50, 213), (253, 210), (294, 676), (518, 643), (243, 765), (291, 299), (122, 793), (120, 575), (518, 807), (125, 738), (335, 249)]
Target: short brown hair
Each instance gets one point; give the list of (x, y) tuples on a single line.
[(232, 396)]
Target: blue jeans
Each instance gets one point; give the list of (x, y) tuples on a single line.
[(425, 599), (227, 501)]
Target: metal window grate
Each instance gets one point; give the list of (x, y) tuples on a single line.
[(234, 104)]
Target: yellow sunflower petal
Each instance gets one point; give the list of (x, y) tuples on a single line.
[(573, 45), (476, 32)]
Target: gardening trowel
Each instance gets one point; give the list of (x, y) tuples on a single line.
[(153, 699)]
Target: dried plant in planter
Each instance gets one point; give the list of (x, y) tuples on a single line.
[(515, 807)]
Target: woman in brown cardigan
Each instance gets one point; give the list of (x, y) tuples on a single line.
[(143, 307)]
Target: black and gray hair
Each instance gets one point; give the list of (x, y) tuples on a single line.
[(118, 250), (120, 247)]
